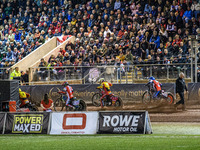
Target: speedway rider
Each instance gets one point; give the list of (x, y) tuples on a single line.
[(23, 96), (106, 87), (69, 92), (157, 85)]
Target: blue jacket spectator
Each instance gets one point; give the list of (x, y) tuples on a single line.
[(187, 14), (147, 8), (155, 39), (153, 11), (18, 36), (9, 55), (117, 5), (69, 16), (91, 21)]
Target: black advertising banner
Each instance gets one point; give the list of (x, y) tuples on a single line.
[(2, 115), (128, 92), (194, 91), (122, 122), (27, 123)]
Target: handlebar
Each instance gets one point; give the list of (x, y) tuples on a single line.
[(61, 92), (147, 84)]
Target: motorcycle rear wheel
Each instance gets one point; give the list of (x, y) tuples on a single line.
[(82, 106), (170, 98)]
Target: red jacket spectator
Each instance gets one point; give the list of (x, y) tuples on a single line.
[(58, 27), (58, 64), (177, 41), (52, 28), (121, 32), (62, 51)]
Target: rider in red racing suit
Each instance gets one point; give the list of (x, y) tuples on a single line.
[(69, 92)]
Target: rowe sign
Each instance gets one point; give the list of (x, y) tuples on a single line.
[(124, 122)]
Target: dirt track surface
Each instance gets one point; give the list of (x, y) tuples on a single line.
[(179, 116), (161, 112)]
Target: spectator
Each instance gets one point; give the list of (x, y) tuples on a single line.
[(180, 87), (129, 59), (9, 55), (187, 15), (154, 40), (107, 22), (195, 8), (117, 5), (46, 103), (16, 74)]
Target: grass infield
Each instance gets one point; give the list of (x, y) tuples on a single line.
[(167, 136)]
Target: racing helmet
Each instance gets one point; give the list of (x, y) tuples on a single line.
[(101, 80), (65, 84), (151, 78)]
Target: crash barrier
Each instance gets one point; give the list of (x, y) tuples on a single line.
[(194, 91), (127, 92), (119, 122), (74, 123), (24, 123), (124, 122)]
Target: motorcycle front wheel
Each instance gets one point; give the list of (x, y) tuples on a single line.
[(59, 105), (96, 99), (119, 103), (146, 97)]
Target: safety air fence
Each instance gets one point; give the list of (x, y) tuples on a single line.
[(129, 93), (116, 122)]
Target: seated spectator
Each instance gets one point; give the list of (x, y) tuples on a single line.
[(154, 40), (129, 59), (47, 104), (9, 55), (176, 41), (170, 28), (187, 15), (42, 72), (41, 40), (195, 8), (138, 67), (58, 70)]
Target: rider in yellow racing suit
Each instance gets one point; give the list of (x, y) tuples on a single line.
[(106, 87), (23, 96)]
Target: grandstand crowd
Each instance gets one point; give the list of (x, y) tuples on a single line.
[(107, 31)]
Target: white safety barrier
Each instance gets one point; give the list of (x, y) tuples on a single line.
[(74, 123)]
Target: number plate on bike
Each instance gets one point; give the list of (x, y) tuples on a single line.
[(76, 102), (165, 94), (114, 98)]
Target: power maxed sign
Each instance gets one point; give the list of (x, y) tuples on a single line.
[(27, 123), (122, 122)]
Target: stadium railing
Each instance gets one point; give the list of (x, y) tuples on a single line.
[(112, 73)]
